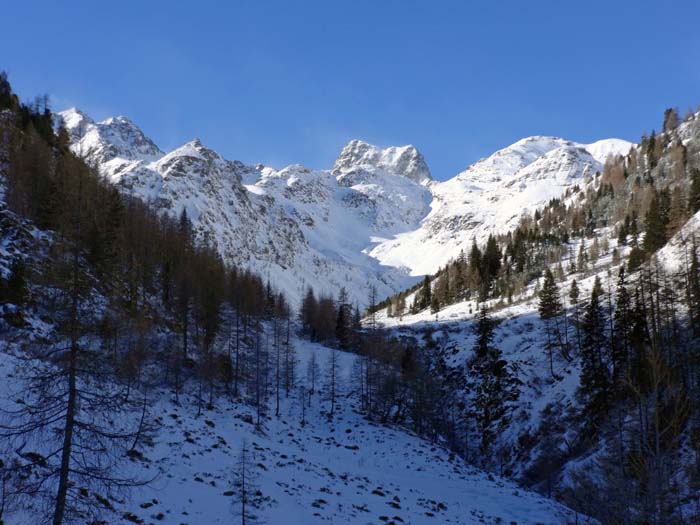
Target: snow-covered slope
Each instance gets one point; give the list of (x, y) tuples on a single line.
[(676, 255), (491, 196), (376, 218), (348, 470), (521, 336), (295, 226), (344, 469)]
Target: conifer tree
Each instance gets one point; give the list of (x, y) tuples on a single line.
[(620, 340), (671, 120), (550, 308), (651, 150), (594, 252), (635, 259), (434, 304), (247, 492), (308, 312), (582, 259), (313, 371), (655, 223), (484, 330), (573, 300), (343, 320), (594, 389), (400, 309), (425, 294), (492, 258), (493, 384), (332, 372), (639, 339), (623, 231), (475, 262), (677, 215), (694, 192)]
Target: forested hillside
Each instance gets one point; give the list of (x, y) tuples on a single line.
[(592, 303)]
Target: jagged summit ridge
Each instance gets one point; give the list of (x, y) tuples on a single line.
[(296, 226), (375, 219), (114, 137), (405, 161)]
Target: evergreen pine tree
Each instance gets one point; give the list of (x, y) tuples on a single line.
[(620, 340), (694, 192), (671, 119), (492, 258), (635, 259), (594, 389), (308, 312), (581, 261), (651, 150), (475, 258), (655, 225), (622, 232), (484, 330), (573, 299), (185, 226), (343, 320), (425, 294), (493, 384), (550, 309), (638, 345), (434, 304)]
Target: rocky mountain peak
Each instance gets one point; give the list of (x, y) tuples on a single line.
[(114, 137), (405, 161)]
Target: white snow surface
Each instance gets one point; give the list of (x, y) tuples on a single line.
[(376, 218), (348, 470)]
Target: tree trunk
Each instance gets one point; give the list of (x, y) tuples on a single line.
[(64, 473)]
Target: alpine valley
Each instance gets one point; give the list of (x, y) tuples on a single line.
[(188, 339)]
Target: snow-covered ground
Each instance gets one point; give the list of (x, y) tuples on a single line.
[(344, 470)]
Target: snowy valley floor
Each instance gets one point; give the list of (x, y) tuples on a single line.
[(349, 470)]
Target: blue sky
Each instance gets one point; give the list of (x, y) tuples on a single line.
[(284, 82)]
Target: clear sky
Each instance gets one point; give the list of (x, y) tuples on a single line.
[(293, 81)]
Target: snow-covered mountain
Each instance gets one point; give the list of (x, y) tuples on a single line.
[(295, 226), (376, 218), (359, 157), (492, 195)]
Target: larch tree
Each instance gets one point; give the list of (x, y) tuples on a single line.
[(245, 477), (332, 377)]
